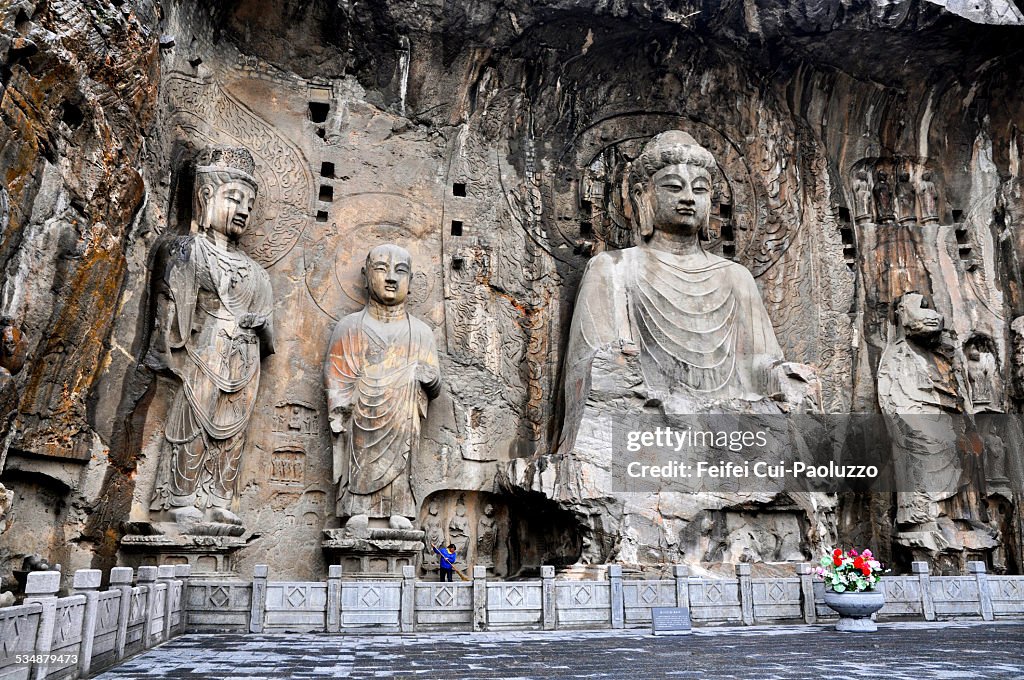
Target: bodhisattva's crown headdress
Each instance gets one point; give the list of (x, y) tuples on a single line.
[(227, 161)]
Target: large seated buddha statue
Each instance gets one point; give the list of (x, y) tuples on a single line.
[(695, 320), (666, 333)]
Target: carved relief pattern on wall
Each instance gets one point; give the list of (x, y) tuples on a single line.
[(203, 112)]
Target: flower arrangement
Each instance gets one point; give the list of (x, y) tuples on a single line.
[(850, 572)]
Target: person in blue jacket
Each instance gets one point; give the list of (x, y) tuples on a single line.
[(447, 561)]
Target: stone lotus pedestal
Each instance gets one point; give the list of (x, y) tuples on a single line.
[(855, 609), (373, 553)]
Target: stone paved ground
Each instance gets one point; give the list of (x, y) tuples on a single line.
[(898, 651)]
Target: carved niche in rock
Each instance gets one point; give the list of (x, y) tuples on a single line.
[(983, 378), (214, 325), (480, 525), (380, 374)]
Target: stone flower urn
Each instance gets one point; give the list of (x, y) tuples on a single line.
[(855, 609)]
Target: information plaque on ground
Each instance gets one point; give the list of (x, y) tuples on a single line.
[(670, 621)]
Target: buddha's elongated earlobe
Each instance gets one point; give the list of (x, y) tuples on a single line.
[(644, 211)]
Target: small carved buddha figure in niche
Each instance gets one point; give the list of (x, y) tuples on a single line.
[(862, 203), (884, 199), (906, 199), (380, 374), (982, 374), (486, 535), (929, 199)]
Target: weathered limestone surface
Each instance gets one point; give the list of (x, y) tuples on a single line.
[(491, 141)]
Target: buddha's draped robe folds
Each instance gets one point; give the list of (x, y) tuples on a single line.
[(698, 322), (381, 375)]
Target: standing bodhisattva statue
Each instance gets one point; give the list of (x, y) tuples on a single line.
[(380, 374), (214, 324)]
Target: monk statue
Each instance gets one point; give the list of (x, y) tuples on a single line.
[(380, 374), (918, 392), (695, 320), (214, 324)]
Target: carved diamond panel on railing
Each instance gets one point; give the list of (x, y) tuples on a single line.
[(107, 611), (68, 626), (296, 597), (18, 628), (137, 611), (514, 596), (583, 594), (370, 596), (444, 596), (218, 596), (895, 591)]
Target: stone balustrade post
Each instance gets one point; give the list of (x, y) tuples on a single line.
[(334, 573), (408, 619), (925, 586), (548, 600), (165, 575), (87, 582), (479, 598), (121, 579), (805, 571), (42, 587), (146, 577), (984, 593), (681, 574), (182, 573), (258, 604), (618, 604), (743, 571)]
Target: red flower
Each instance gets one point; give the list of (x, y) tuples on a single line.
[(865, 569), (838, 561), (858, 563), (837, 553)]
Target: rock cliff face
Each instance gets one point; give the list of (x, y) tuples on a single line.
[(490, 139)]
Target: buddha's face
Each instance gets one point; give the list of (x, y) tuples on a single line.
[(915, 316), (228, 208), (681, 198), (388, 274)]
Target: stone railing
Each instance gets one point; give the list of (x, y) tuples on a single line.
[(70, 637), (50, 637), (405, 605)]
